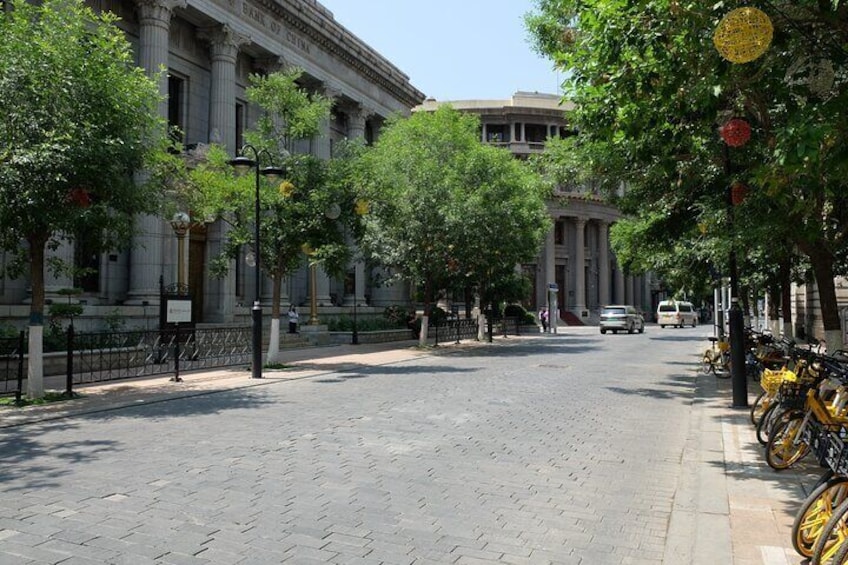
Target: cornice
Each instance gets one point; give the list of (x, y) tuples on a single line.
[(317, 24)]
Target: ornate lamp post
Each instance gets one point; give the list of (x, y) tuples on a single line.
[(181, 223), (242, 165)]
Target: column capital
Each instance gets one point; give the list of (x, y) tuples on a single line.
[(274, 64), (157, 11), (332, 92), (224, 41)]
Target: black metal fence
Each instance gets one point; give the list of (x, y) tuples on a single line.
[(454, 330), (108, 356), (12, 365)]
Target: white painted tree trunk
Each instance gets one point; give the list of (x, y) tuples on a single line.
[(274, 343), (425, 326), (35, 363), (834, 340)]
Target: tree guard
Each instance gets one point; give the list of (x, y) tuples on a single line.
[(743, 35), (735, 132)]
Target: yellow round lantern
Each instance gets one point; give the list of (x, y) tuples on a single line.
[(743, 35), (286, 188), (361, 207)]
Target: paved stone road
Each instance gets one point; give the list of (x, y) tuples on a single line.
[(561, 449)]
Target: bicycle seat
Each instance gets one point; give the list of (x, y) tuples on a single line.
[(713, 339)]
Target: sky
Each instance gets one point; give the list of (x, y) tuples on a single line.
[(453, 49)]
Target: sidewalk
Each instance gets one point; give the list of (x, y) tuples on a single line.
[(730, 477), (730, 507)]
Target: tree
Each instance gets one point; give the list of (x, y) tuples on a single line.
[(298, 222), (444, 207), (652, 92), (78, 121)]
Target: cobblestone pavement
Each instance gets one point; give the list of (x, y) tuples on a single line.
[(572, 448)]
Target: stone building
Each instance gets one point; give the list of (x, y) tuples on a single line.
[(209, 48), (576, 256)]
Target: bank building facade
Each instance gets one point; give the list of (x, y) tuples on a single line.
[(209, 48)]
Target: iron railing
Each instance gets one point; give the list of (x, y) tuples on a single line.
[(455, 330), (12, 365)]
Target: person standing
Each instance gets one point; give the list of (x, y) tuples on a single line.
[(293, 317), (543, 317)]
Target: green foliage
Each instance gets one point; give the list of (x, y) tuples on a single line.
[(78, 120), (445, 209), (518, 311), (651, 92), (363, 324)]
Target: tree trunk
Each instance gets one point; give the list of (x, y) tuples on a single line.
[(35, 360), (425, 319), (786, 296), (821, 261), (274, 338)]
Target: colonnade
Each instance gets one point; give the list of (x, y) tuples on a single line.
[(586, 272)]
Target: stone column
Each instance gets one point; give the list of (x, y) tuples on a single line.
[(356, 130), (603, 264), (580, 266), (550, 262), (224, 46), (146, 255), (618, 285), (224, 43)]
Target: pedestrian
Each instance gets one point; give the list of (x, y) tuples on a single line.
[(543, 317), (293, 319)]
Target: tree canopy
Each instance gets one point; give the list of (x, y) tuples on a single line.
[(652, 94), (446, 209), (78, 121)]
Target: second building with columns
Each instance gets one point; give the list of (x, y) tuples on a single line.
[(576, 256)]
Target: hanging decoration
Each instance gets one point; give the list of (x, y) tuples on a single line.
[(361, 207), (743, 35), (286, 188), (736, 132), (79, 197), (738, 192)]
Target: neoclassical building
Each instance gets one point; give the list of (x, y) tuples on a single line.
[(209, 48), (576, 256)]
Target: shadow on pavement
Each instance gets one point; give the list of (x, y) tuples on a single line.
[(20, 447)]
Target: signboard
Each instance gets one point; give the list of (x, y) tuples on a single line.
[(553, 287), (178, 311)]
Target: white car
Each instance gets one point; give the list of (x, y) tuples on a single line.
[(621, 317), (676, 313)]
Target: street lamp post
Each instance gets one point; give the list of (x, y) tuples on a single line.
[(180, 224), (242, 165)]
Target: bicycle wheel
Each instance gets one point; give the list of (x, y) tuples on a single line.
[(707, 362), (841, 556), (785, 446), (721, 366), (765, 422), (759, 407), (816, 511), (832, 536)]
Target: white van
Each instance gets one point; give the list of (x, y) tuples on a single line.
[(676, 313)]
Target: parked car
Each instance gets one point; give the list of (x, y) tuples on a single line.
[(621, 317), (676, 313)]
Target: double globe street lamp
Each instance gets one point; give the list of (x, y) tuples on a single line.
[(242, 165)]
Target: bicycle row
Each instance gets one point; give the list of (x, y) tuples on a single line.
[(801, 411)]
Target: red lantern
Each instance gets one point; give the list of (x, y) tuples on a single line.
[(79, 197), (738, 192), (736, 132)]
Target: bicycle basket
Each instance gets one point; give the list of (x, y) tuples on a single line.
[(771, 380), (793, 395), (724, 346)]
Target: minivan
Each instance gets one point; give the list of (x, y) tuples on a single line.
[(676, 313)]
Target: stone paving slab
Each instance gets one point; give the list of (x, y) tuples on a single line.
[(727, 506)]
